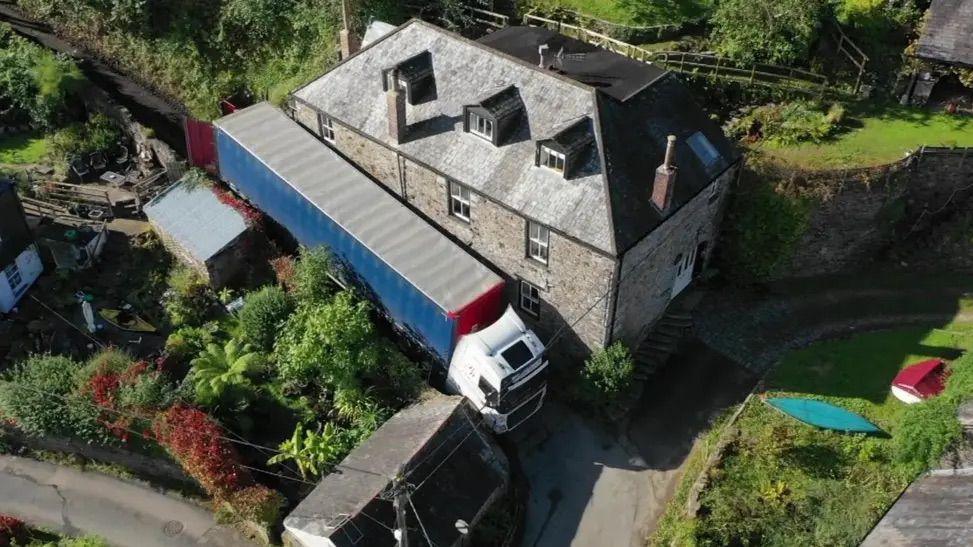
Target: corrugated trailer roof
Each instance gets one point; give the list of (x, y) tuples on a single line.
[(440, 269)]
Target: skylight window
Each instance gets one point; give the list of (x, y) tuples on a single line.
[(703, 149)]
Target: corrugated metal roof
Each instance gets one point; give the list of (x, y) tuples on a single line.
[(196, 219), (948, 33), (439, 268)]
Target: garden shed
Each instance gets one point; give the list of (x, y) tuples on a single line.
[(455, 469), (202, 231)]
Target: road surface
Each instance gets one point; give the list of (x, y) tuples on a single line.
[(590, 487), (127, 514)]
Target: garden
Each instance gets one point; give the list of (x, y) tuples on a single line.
[(770, 480), (254, 405), (42, 117), (14, 531)]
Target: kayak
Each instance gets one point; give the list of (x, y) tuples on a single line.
[(823, 415), (125, 320)]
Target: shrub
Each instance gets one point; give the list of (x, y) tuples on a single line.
[(283, 267), (196, 442), (264, 313), (607, 373), (38, 394), (312, 281), (925, 431), (258, 504), (772, 31), (186, 342), (332, 344), (405, 378), (789, 123), (98, 134), (189, 300), (315, 452), (13, 531)]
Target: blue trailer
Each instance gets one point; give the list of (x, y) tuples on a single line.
[(429, 286)]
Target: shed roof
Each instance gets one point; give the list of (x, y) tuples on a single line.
[(439, 268), (948, 33), (435, 441), (633, 107), (934, 510), (196, 219)]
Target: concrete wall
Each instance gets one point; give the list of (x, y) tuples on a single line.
[(649, 268), (575, 277)]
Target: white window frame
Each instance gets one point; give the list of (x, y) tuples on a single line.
[(14, 277), (530, 299), (460, 201), (326, 127), (538, 242), (549, 157), (486, 131)]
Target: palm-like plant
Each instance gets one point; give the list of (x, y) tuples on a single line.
[(313, 452), (219, 369)]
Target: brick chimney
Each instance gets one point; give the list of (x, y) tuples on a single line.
[(349, 41), (665, 178), (395, 101)]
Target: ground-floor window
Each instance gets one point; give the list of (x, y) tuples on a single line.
[(530, 299)]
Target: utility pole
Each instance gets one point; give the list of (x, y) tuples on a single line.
[(401, 500)]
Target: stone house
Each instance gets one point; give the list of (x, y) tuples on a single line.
[(592, 182)]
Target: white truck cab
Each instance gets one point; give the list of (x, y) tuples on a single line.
[(501, 369)]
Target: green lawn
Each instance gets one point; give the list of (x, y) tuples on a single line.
[(785, 483), (23, 148), (636, 12), (882, 135)]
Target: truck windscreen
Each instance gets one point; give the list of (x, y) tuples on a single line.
[(517, 355)]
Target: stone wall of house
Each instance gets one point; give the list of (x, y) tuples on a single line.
[(574, 279), (180, 252), (876, 214), (649, 268)]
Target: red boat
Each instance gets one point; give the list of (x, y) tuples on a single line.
[(920, 381)]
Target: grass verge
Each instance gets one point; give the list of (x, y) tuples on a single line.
[(23, 148), (877, 135), (782, 482)]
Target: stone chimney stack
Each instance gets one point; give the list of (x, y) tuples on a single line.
[(395, 100), (665, 178), (349, 41)]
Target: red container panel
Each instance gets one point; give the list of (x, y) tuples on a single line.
[(200, 144), (481, 312)]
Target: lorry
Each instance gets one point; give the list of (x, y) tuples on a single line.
[(434, 292)]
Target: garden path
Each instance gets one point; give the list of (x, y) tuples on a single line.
[(124, 513)]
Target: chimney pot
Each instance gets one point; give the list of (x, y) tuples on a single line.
[(395, 101), (665, 177)]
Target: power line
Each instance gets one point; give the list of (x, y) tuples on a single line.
[(421, 525), (416, 466), (453, 451)]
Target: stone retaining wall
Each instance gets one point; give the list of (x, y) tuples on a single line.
[(865, 213)]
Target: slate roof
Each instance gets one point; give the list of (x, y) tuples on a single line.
[(948, 33), (633, 106), (441, 269), (937, 509), (458, 472), (195, 219)]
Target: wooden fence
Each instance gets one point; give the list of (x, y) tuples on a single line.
[(697, 64)]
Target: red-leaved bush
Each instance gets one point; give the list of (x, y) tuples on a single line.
[(258, 504), (194, 440), (103, 386), (251, 216), (13, 531)]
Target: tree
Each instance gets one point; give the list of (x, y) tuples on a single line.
[(312, 276), (773, 31), (313, 452), (333, 342), (220, 370)]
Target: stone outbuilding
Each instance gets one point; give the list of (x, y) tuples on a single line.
[(210, 236), (549, 158), (455, 469)]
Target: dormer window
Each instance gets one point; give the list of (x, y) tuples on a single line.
[(565, 152), (552, 159), (415, 78), (481, 126), (496, 118)]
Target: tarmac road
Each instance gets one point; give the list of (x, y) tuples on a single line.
[(123, 513)]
